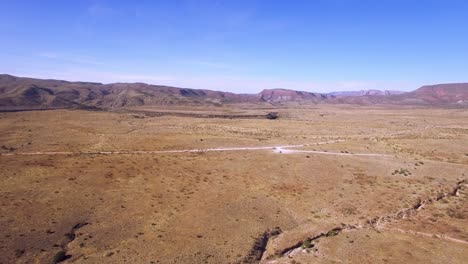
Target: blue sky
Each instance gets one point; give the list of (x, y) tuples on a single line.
[(239, 46)]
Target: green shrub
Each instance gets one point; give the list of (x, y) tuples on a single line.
[(306, 244), (332, 233)]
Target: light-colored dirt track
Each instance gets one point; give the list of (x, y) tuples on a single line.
[(440, 236), (285, 149)]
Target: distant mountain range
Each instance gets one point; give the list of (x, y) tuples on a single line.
[(364, 93), (18, 93)]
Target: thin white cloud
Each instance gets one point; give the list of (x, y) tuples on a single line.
[(146, 78), (210, 64), (99, 10), (239, 18), (49, 55), (71, 58)]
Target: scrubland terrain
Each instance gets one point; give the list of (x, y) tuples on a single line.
[(111, 187)]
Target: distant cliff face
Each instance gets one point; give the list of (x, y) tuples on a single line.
[(443, 93), (365, 93), (285, 95)]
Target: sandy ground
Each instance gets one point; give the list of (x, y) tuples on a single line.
[(99, 187)]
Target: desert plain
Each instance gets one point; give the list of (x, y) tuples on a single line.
[(320, 184)]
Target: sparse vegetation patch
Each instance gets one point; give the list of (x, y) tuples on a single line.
[(401, 171)]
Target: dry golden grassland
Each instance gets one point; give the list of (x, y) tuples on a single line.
[(85, 187)]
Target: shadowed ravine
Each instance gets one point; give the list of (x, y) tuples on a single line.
[(377, 223)]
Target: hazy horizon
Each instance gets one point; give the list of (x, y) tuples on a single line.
[(184, 87), (239, 46)]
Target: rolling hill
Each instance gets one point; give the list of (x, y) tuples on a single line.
[(19, 93), (28, 93)]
